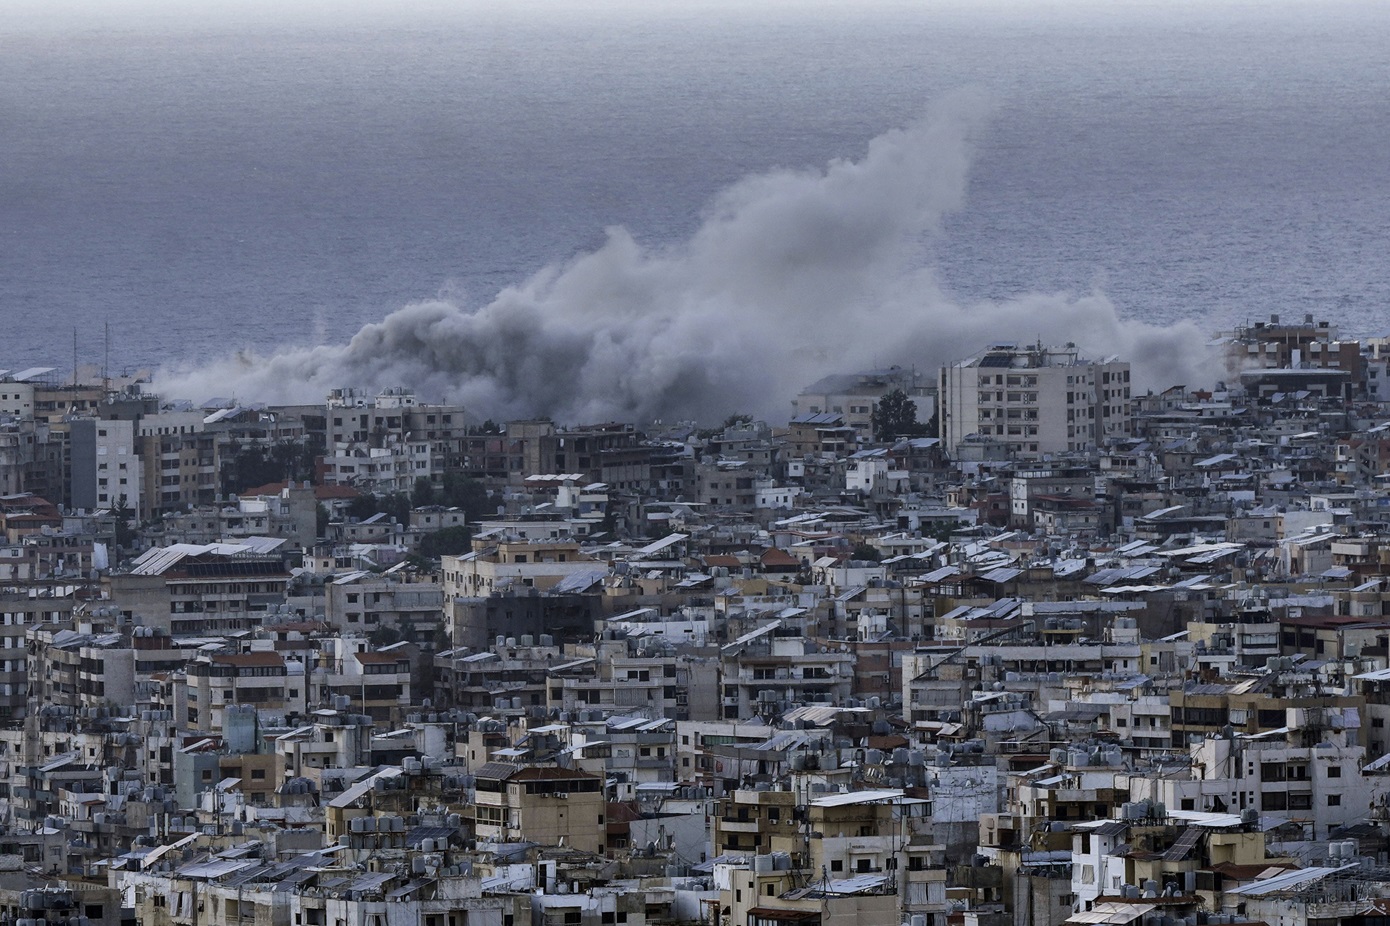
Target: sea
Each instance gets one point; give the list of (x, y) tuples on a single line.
[(187, 181)]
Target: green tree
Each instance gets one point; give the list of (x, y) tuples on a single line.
[(384, 635), (247, 466), (397, 506), (125, 529), (941, 530), (363, 506), (893, 416), (451, 541), (865, 552), (468, 495), (423, 493)]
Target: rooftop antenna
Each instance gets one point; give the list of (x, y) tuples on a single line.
[(106, 362), (74, 356)]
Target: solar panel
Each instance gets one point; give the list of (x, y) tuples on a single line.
[(1185, 843)]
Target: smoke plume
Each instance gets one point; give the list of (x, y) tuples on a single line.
[(791, 275)]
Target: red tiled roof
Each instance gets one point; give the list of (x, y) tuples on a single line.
[(773, 556), (270, 488)]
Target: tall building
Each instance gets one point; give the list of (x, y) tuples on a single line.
[(105, 468), (1034, 400), (420, 439)]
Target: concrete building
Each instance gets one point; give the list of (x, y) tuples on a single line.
[(105, 469), (193, 590), (1035, 400), (854, 395), (548, 805)]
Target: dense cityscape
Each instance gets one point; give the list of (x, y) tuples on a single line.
[(1006, 642)]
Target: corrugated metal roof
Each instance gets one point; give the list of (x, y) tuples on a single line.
[(658, 545), (858, 797), (1113, 913), (1288, 880), (371, 882), (579, 581), (857, 885), (212, 870), (361, 788)]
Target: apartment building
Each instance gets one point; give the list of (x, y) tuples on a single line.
[(105, 469), (545, 804), (1034, 400), (219, 681), (766, 672), (193, 590)]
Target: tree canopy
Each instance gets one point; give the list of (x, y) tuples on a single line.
[(450, 541), (895, 415)]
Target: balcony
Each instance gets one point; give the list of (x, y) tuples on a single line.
[(734, 825)]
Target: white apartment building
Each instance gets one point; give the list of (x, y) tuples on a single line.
[(105, 468), (1034, 400), (16, 399)]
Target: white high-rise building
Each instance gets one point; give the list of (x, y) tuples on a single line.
[(105, 468), (1034, 400)]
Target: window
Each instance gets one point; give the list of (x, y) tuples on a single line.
[(1334, 771), (1334, 800)]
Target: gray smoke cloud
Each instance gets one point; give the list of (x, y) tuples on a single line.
[(791, 275)]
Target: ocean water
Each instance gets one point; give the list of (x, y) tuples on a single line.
[(282, 174)]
